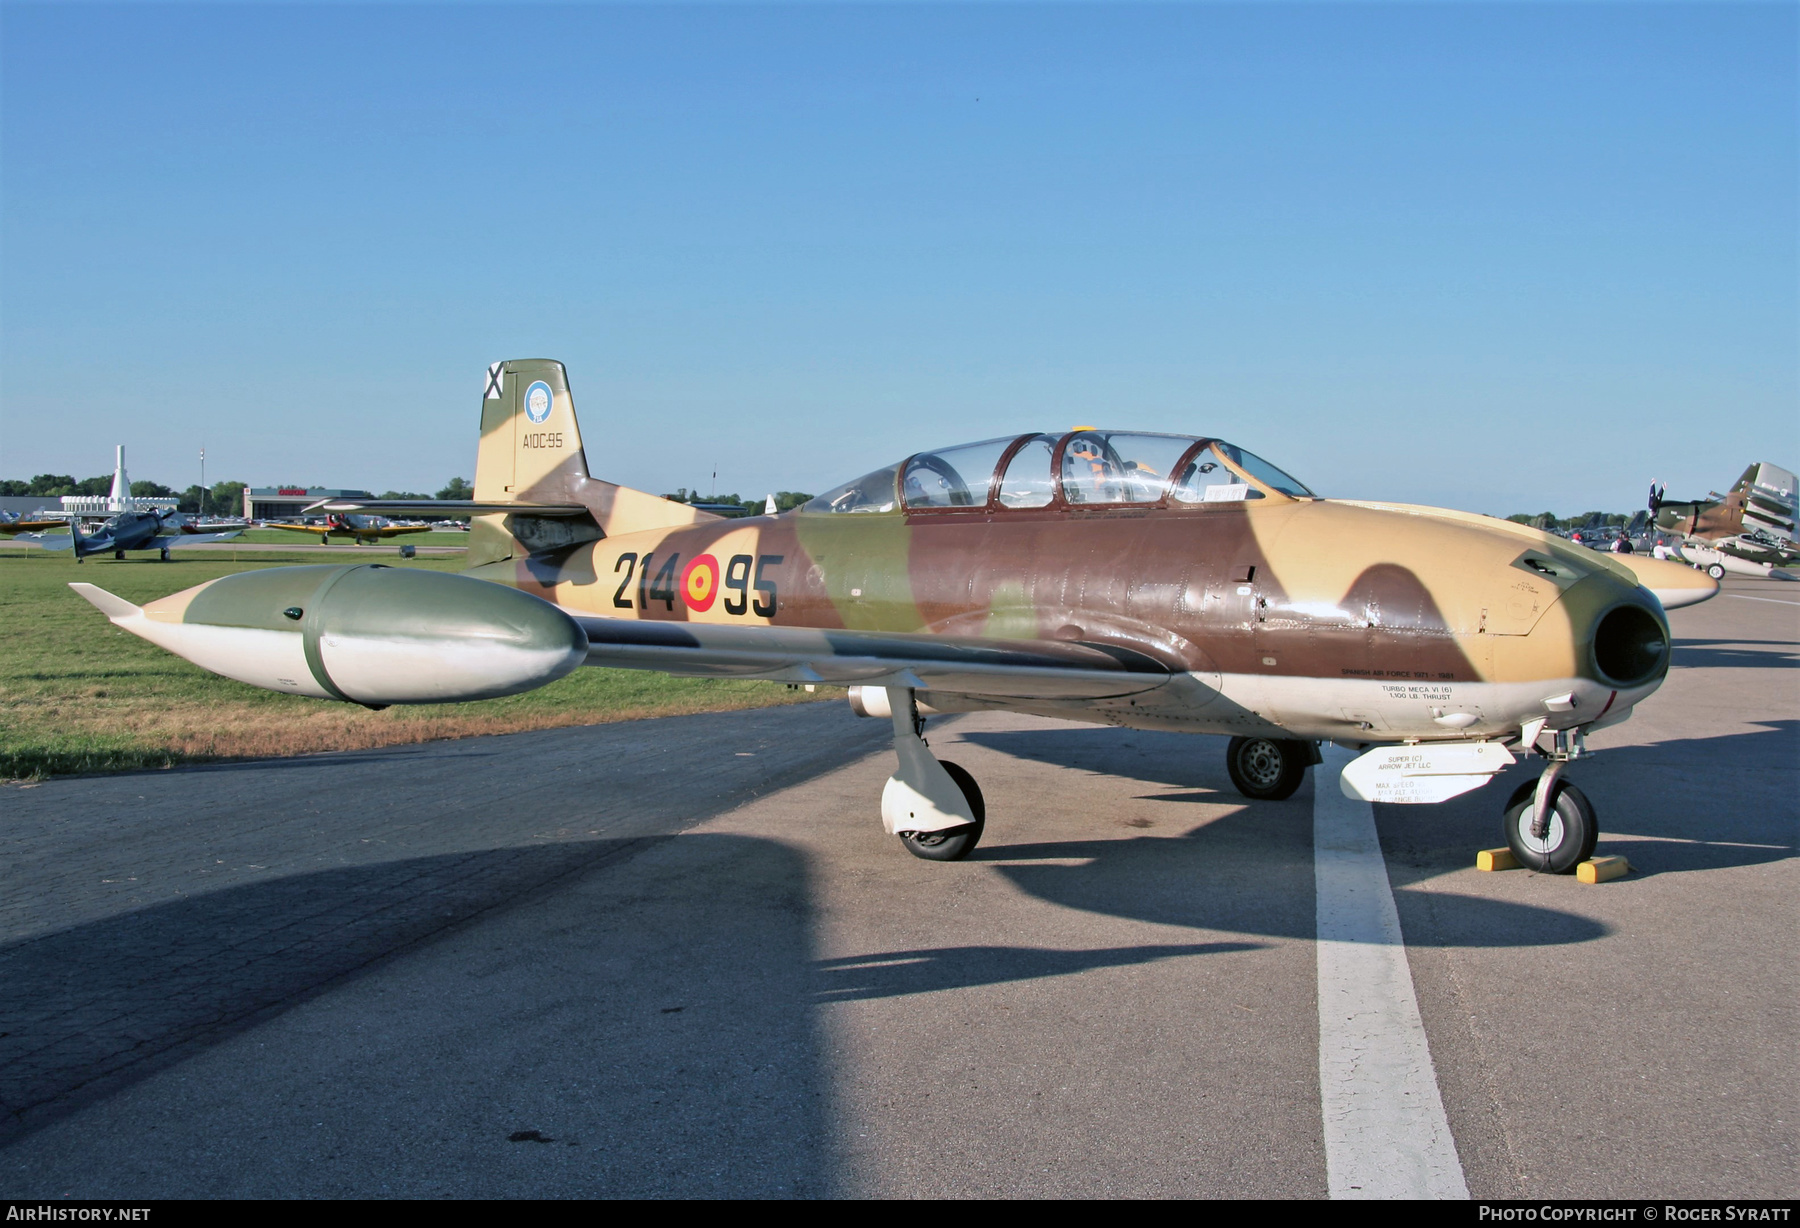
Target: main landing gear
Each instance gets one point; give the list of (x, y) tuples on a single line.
[(935, 808), (1269, 769), (1550, 824)]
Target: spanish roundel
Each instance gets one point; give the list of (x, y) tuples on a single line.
[(700, 583)]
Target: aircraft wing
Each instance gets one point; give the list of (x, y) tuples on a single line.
[(48, 541), (318, 530), (1018, 669), (444, 507), (170, 541)]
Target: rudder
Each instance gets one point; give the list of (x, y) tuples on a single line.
[(531, 453), (530, 441)]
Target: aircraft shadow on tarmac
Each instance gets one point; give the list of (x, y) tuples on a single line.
[(893, 974), (1734, 654), (1701, 803), (673, 980), (658, 1025), (1668, 794), (1247, 872), (103, 1004)]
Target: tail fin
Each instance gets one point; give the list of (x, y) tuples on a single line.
[(531, 452)]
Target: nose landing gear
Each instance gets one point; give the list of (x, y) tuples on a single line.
[(1550, 824)]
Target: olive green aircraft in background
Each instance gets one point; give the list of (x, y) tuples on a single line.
[(362, 530), (1164, 582), (1749, 530)]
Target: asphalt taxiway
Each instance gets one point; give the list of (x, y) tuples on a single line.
[(679, 957)]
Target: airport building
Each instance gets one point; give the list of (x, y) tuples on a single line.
[(287, 502), (111, 505)]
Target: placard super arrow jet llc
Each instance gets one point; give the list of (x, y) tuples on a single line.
[(1169, 582)]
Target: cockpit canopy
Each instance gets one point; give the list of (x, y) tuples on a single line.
[(1084, 467)]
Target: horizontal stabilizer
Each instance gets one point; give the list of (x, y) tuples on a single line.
[(109, 605), (48, 541), (445, 507)]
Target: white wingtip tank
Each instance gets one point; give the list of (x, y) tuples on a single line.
[(367, 634)]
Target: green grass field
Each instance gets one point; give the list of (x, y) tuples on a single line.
[(79, 695)]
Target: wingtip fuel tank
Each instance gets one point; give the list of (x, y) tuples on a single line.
[(369, 634)]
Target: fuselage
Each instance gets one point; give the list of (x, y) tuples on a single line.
[(1325, 619), (126, 531)]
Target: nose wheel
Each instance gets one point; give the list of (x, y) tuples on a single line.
[(1549, 823), (1562, 839)]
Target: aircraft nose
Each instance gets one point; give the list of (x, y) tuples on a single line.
[(1603, 634)]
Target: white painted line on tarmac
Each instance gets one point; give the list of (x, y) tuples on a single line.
[(1386, 1135), (1770, 600)]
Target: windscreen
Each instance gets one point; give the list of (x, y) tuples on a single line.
[(873, 492), (1262, 471)]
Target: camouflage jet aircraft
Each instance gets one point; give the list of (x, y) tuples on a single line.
[(1153, 581), (363, 530), (1749, 530)]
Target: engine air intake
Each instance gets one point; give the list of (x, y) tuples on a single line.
[(1630, 646)]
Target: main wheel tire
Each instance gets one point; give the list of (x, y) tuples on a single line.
[(1716, 571), (1571, 836), (1267, 769), (953, 843)]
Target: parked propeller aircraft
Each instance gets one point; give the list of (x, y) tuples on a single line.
[(12, 522), (1750, 530), (150, 530), (364, 530), (135, 525), (1153, 581)]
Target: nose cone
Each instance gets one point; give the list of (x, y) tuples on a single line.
[(1613, 632), (1520, 607)]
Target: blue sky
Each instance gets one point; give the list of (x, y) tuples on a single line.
[(1508, 257)]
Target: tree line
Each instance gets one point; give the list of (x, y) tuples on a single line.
[(227, 498), (219, 499), (1586, 520), (785, 500)]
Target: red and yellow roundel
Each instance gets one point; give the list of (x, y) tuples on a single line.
[(700, 583)]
